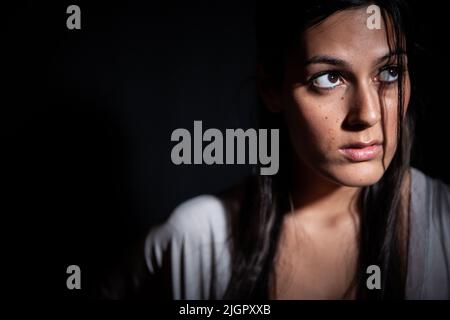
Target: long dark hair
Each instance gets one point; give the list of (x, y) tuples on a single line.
[(256, 229)]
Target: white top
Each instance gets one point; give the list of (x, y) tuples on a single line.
[(193, 245)]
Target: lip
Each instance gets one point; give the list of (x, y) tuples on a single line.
[(362, 151)]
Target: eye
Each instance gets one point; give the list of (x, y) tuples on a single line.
[(327, 80), (389, 74)]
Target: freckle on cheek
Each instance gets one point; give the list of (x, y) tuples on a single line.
[(342, 98), (326, 118)]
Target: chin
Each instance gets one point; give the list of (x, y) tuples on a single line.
[(358, 174)]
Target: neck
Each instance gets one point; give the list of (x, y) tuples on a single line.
[(316, 196)]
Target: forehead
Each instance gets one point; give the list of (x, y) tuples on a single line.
[(345, 35)]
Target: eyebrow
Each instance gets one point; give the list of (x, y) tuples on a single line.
[(389, 55), (324, 59)]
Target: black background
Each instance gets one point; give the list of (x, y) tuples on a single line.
[(86, 118)]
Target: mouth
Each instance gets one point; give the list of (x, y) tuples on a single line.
[(362, 151)]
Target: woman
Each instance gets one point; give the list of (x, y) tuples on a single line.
[(345, 198)]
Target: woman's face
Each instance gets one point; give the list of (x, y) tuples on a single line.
[(340, 99)]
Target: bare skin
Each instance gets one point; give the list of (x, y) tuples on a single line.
[(327, 105)]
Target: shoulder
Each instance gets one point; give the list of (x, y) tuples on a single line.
[(198, 216), (431, 192), (204, 217), (201, 219), (190, 249), (430, 238)]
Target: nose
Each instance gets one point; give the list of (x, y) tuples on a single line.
[(364, 107)]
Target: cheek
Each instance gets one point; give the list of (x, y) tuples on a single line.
[(391, 133), (314, 122), (407, 94), (390, 119)]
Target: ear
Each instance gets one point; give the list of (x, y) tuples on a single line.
[(271, 97)]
